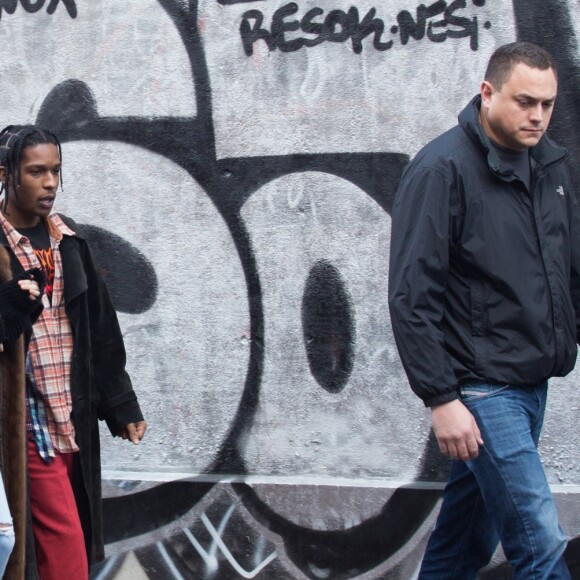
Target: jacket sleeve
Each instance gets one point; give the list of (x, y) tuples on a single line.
[(574, 216), (418, 275), (17, 312), (118, 404)]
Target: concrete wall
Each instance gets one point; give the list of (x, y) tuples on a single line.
[(234, 163)]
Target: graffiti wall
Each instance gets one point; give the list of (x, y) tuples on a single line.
[(233, 163)]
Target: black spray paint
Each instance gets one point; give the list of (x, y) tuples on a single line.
[(32, 6), (328, 327), (436, 22)]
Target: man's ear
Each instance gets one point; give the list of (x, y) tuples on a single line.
[(486, 93)]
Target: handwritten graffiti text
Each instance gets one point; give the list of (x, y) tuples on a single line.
[(32, 6), (438, 21)]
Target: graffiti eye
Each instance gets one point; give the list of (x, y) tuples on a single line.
[(328, 327)]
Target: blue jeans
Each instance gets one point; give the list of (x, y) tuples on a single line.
[(6, 530), (502, 495)]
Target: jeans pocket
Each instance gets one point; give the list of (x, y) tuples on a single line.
[(479, 391)]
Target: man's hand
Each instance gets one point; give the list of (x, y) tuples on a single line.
[(456, 430), (134, 431)]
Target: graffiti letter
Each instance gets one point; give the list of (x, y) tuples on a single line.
[(8, 5), (469, 26), (416, 29), (340, 18), (70, 6), (434, 36), (313, 27), (369, 25), (32, 6), (279, 27), (253, 34)]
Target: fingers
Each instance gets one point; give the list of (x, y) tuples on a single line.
[(141, 427), (463, 450), (464, 447), (469, 449), (134, 431), (476, 432), (30, 286)]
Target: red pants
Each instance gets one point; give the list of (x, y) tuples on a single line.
[(58, 535)]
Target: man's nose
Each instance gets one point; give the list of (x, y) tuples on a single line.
[(51, 180), (537, 113)]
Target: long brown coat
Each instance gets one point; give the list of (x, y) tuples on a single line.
[(13, 437)]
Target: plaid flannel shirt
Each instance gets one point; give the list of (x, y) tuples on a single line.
[(49, 402)]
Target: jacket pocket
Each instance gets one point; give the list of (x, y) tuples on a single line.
[(479, 327)]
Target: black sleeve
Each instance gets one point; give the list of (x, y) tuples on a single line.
[(418, 275), (15, 302), (118, 402), (574, 218), (17, 310)]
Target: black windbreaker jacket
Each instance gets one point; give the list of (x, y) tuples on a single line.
[(484, 279)]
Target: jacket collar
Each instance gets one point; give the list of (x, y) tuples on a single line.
[(543, 154)]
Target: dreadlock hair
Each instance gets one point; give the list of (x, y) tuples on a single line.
[(507, 56), (14, 139)]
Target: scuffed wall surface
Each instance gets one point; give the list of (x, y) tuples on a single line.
[(233, 162)]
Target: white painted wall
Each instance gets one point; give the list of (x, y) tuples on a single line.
[(188, 355)]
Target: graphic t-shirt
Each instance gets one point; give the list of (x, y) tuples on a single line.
[(40, 242)]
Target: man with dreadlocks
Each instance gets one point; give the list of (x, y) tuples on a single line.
[(75, 363)]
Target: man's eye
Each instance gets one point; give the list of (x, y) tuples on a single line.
[(548, 105), (524, 103)]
